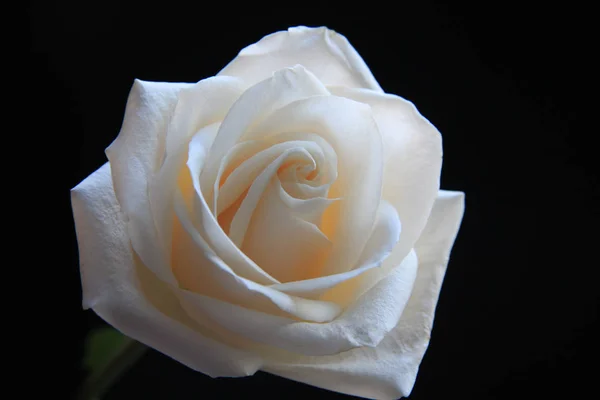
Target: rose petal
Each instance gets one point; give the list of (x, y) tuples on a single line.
[(300, 190), (364, 324), (254, 105), (384, 237), (229, 163), (249, 170), (206, 222), (389, 370), (199, 106), (296, 152), (279, 241), (324, 52), (412, 151), (129, 297), (242, 153), (204, 103), (352, 133), (134, 156), (164, 183), (412, 164), (199, 269), (308, 209), (214, 247), (382, 241)]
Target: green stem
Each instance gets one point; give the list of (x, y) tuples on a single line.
[(98, 383)]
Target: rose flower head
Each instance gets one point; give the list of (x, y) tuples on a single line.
[(284, 215)]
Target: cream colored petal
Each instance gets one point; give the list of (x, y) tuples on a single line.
[(412, 164), (301, 190), (297, 186), (412, 151), (249, 170), (307, 209), (295, 153), (349, 128), (281, 242), (205, 222), (164, 183), (200, 107), (200, 270), (384, 237), (229, 163), (134, 157), (365, 324), (130, 297), (324, 52), (243, 151), (208, 254), (204, 103), (284, 87), (274, 331), (389, 370)]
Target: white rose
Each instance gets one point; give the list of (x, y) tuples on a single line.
[(284, 215)]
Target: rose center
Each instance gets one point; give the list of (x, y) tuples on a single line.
[(269, 199)]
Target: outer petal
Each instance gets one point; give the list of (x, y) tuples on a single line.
[(364, 324), (412, 159), (127, 295), (201, 106), (324, 52), (134, 156), (204, 103), (389, 370)]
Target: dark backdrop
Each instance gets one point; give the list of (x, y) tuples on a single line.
[(507, 91)]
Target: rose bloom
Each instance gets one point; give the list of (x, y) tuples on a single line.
[(284, 215)]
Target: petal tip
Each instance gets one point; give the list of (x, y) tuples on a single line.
[(456, 197)]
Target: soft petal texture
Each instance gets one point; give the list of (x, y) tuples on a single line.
[(201, 106), (240, 157), (308, 209), (281, 242), (258, 102), (296, 154), (130, 297), (349, 128), (389, 370), (134, 156), (234, 158), (200, 270), (412, 159), (364, 324), (324, 52), (206, 222), (384, 238), (244, 176), (213, 252), (412, 149)]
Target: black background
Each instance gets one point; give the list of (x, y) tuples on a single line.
[(508, 89)]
